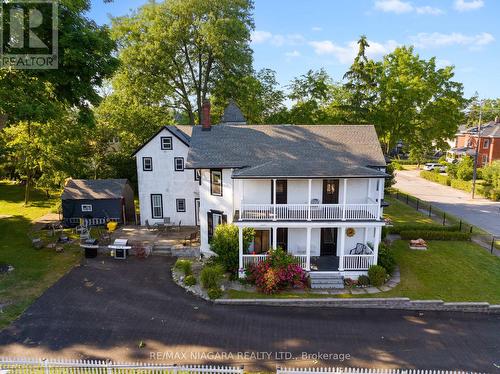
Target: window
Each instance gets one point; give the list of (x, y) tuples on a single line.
[(156, 206), (181, 205), (179, 164), (86, 207), (166, 142), (486, 143), (147, 164), (214, 218), (197, 175), (485, 160), (216, 182)]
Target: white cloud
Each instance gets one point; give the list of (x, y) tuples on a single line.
[(399, 7), (464, 6), (393, 6), (346, 53), (260, 36), (278, 40), (436, 39), (316, 28), (293, 53), (429, 10)]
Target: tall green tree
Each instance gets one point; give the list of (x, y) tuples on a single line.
[(361, 86), (416, 101), (179, 51)]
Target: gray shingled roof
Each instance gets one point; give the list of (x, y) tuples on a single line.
[(232, 114), (94, 189), (288, 150)]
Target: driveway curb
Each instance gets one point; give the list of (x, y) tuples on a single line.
[(402, 303)]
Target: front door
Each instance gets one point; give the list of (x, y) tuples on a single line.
[(281, 191), (328, 243), (330, 191)]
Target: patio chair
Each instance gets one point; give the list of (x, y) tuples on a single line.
[(361, 249), (149, 227), (178, 227), (191, 239), (314, 201)]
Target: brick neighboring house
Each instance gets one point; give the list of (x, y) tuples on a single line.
[(466, 143)]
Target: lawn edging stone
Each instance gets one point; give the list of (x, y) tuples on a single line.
[(401, 303)]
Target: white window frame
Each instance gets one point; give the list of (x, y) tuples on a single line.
[(159, 204), (150, 159), (175, 163), (86, 208), (177, 208), (484, 159), (212, 183), (166, 147), (486, 143)]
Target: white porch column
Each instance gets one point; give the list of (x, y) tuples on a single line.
[(380, 196), (369, 187), (240, 246), (242, 193), (309, 201), (274, 199), (308, 249), (344, 197), (342, 249), (378, 232), (275, 237)]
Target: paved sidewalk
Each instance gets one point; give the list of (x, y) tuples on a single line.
[(480, 212)]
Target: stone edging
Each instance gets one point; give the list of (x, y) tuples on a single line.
[(403, 303)]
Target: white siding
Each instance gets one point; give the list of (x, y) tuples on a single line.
[(209, 202), (297, 241), (166, 181)]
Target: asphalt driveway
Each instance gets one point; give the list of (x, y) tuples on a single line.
[(480, 212), (104, 308)]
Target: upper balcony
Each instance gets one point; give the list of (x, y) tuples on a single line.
[(309, 200)]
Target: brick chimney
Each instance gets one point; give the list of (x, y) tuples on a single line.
[(205, 115)]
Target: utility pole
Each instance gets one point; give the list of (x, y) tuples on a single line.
[(476, 155)]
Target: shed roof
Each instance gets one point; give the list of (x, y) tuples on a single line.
[(232, 114), (88, 189)]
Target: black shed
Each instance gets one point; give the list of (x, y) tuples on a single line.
[(98, 200)]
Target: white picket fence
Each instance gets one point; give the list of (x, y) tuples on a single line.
[(346, 370), (42, 366)]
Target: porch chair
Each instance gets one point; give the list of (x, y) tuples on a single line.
[(191, 239), (149, 227), (178, 227), (361, 249)]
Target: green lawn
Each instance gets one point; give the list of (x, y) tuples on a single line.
[(448, 270), (34, 270)]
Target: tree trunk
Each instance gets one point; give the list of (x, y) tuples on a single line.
[(27, 190)]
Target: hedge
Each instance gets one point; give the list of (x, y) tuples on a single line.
[(436, 177), (435, 235), (411, 162), (397, 228)]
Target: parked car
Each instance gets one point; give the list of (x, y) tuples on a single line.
[(435, 166)]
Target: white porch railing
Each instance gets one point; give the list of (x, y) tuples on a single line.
[(253, 259), (304, 212), (358, 262)]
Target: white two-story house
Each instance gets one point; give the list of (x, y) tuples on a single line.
[(315, 191), (167, 190)]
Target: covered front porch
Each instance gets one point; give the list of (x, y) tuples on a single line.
[(321, 247)]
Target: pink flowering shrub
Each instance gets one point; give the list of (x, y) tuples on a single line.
[(279, 271)]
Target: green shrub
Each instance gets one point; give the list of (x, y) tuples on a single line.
[(363, 280), (211, 276), (225, 244), (214, 293), (435, 235), (386, 259), (465, 168), (184, 266), (412, 162), (398, 227), (377, 275), (190, 280), (436, 177), (397, 165)]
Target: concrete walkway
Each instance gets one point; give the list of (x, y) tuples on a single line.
[(106, 307), (480, 212)]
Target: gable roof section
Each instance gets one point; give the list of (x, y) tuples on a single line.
[(232, 114), (88, 189), (288, 150), (181, 132)]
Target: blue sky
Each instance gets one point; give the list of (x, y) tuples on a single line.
[(293, 36)]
